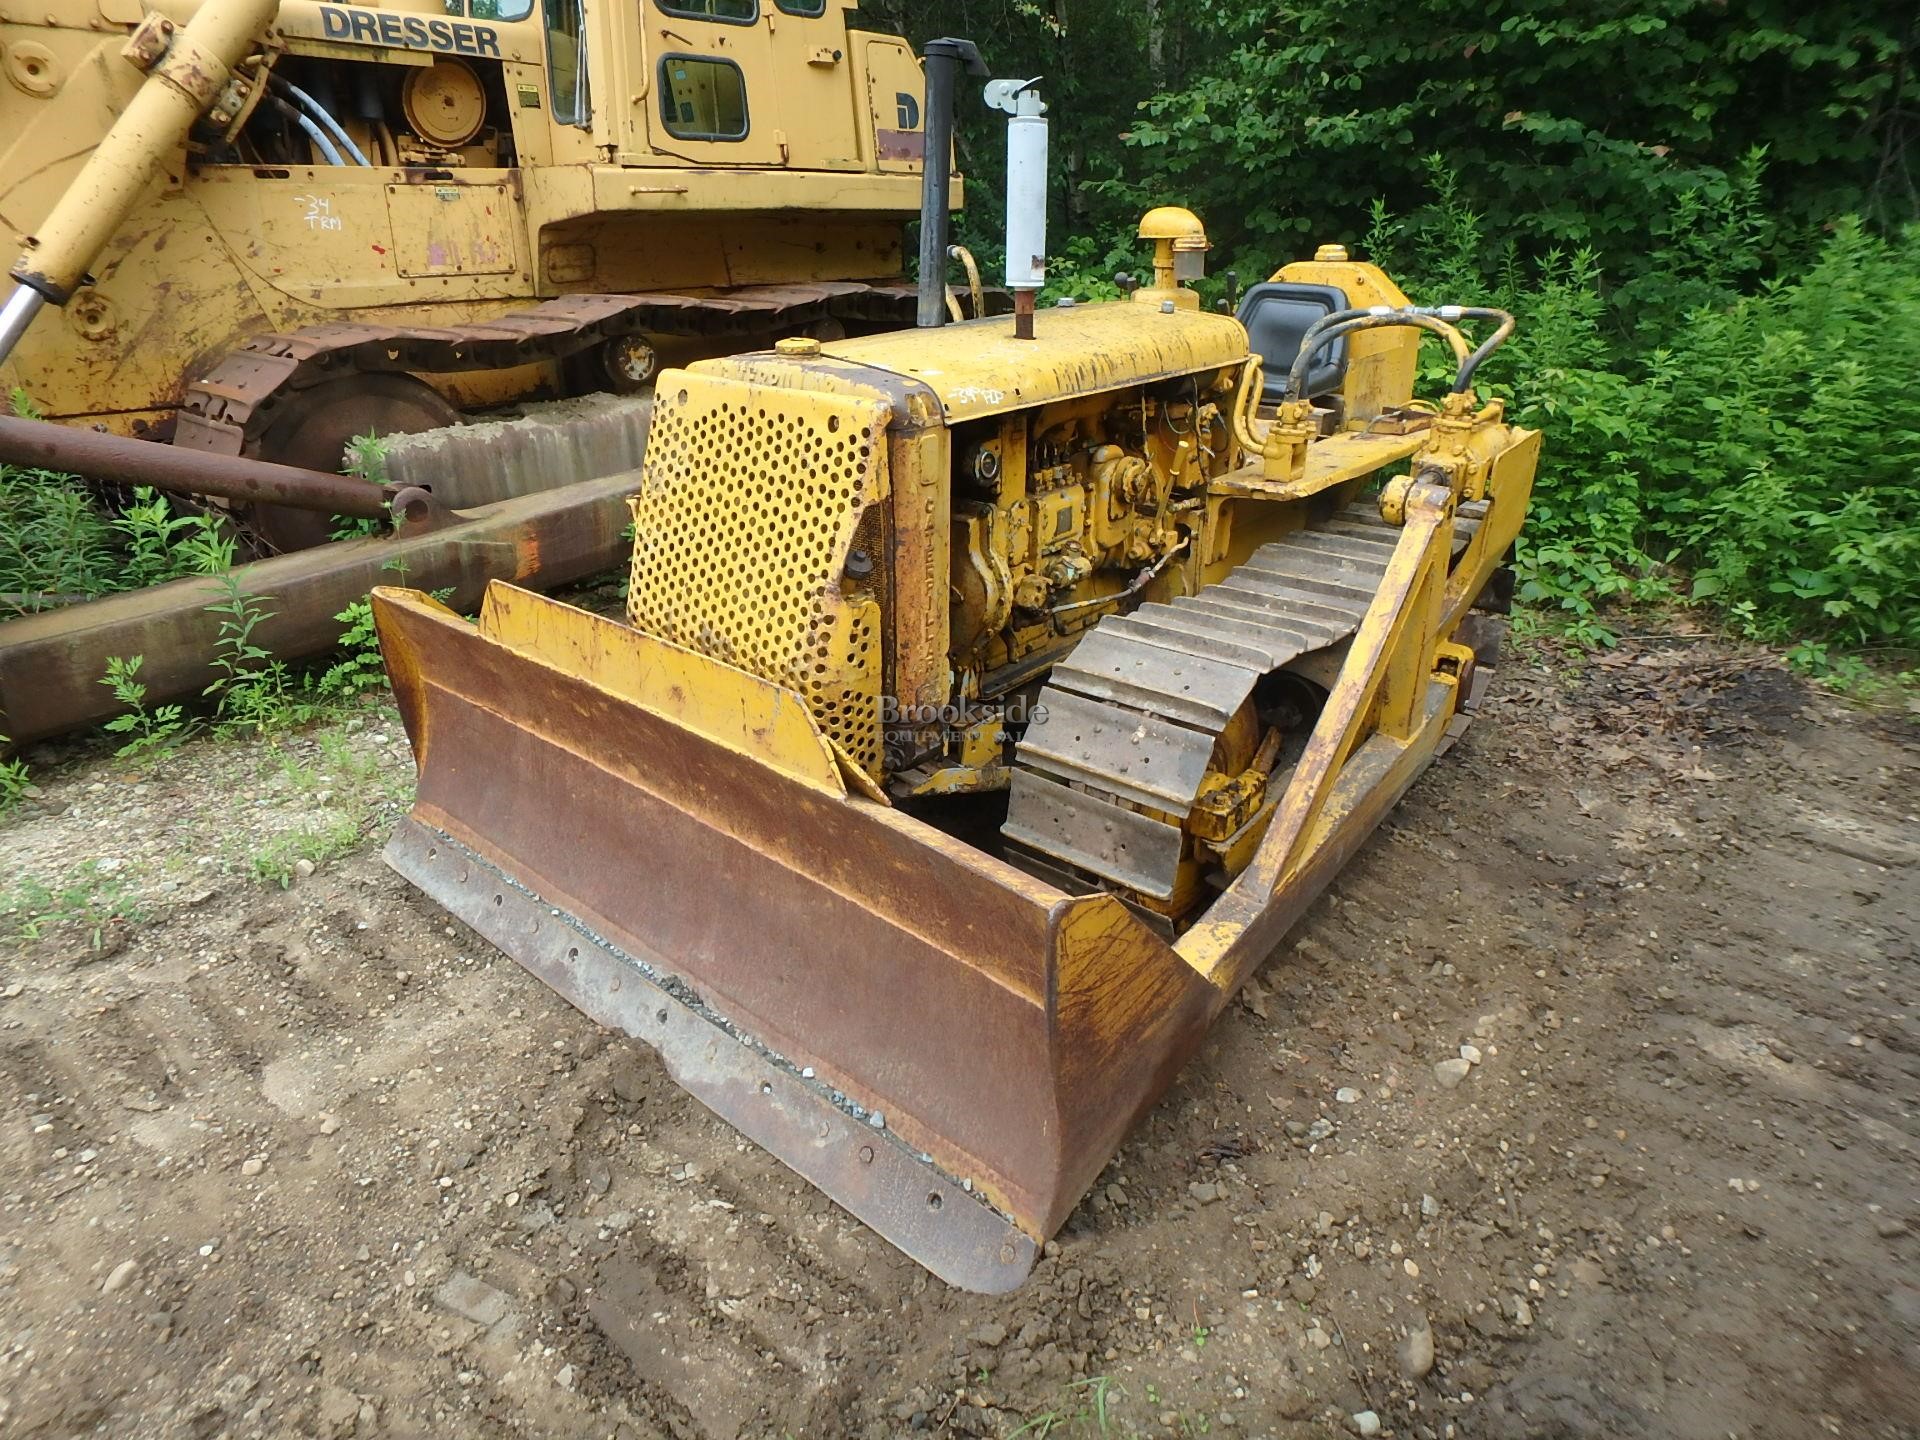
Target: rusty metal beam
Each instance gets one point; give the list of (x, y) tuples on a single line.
[(51, 664), (41, 444)]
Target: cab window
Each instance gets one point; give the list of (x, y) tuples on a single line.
[(567, 61), (702, 98), (802, 7), (491, 9), (733, 12)]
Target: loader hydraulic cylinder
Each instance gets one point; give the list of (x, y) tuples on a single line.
[(17, 314), (187, 69)]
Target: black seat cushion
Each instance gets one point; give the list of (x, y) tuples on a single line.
[(1276, 315)]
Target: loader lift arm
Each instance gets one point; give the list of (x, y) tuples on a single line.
[(188, 71)]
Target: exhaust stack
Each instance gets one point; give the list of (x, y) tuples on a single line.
[(944, 59), (1026, 194)]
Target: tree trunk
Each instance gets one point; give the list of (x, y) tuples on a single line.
[(1156, 44)]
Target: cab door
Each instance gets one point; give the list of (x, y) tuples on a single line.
[(711, 89), (820, 103)]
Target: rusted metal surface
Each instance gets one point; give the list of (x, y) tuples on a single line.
[(545, 445), (316, 428), (1009, 1031), (44, 445), (848, 1153), (51, 664)]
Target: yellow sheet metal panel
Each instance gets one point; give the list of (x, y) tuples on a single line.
[(450, 229), (978, 368), (1381, 364), (727, 705), (751, 502)]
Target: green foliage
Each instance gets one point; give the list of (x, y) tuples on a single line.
[(1748, 450), (86, 898), (1569, 127), (359, 667), (155, 728), (161, 545), (277, 862), (366, 458), (252, 691), (55, 546), (1084, 1410), (14, 780)]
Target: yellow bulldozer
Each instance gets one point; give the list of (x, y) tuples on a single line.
[(989, 701), (273, 225)]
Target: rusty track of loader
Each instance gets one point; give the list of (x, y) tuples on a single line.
[(229, 408)]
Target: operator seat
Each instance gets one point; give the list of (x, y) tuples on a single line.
[(1276, 315)]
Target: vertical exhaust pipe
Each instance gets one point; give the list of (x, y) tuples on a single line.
[(943, 61), (1026, 195)]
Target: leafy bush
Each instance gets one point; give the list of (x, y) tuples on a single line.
[(55, 546), (360, 666), (1753, 451)]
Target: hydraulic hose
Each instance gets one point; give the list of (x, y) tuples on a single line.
[(1344, 322), (1325, 331), (314, 132), (1492, 343), (965, 257), (318, 112)]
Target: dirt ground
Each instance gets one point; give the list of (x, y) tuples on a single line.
[(314, 1161)]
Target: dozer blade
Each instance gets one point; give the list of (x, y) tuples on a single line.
[(948, 1047)]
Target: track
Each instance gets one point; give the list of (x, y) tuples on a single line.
[(1132, 716), (230, 407)]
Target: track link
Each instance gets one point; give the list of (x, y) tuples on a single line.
[(1103, 783), (227, 409)]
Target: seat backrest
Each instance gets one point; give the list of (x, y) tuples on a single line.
[(1276, 315)]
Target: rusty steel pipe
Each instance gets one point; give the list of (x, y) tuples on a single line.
[(41, 444)]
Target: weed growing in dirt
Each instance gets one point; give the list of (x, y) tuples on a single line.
[(88, 899), (279, 861), (14, 780), (359, 667), (157, 728), (1084, 1411)]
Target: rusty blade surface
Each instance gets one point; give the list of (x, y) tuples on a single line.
[(866, 1168), (1007, 1030)]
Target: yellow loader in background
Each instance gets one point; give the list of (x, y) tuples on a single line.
[(991, 698)]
